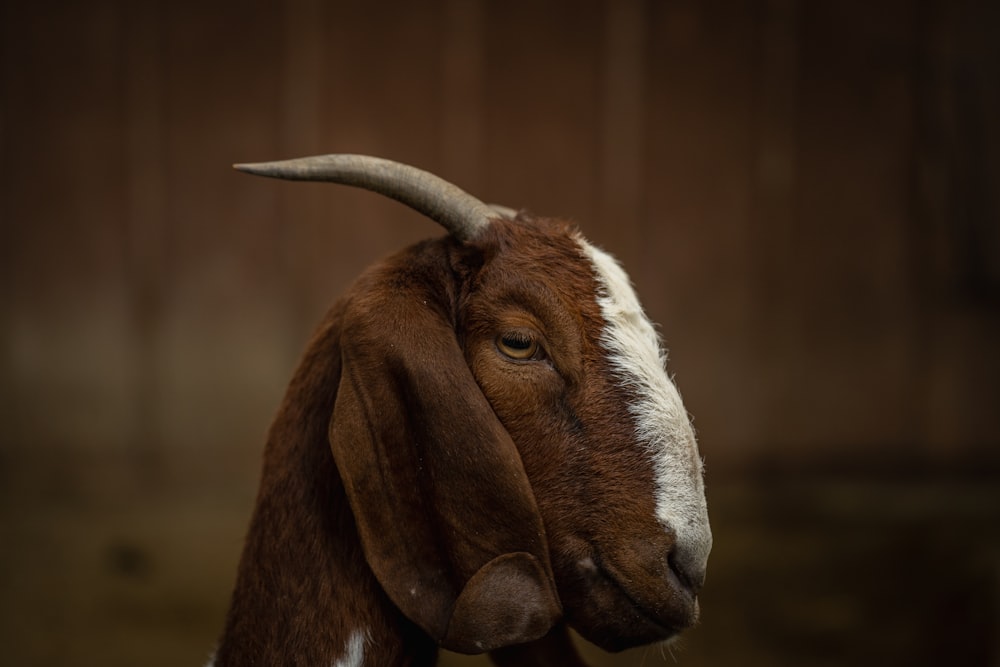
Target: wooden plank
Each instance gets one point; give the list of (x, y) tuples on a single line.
[(144, 229), (542, 97), (302, 215), (622, 128), (463, 54), (697, 236), (62, 173)]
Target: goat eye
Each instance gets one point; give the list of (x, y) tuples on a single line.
[(517, 345)]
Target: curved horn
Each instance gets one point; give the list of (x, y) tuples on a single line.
[(460, 213)]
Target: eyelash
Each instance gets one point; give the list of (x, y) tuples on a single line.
[(519, 346)]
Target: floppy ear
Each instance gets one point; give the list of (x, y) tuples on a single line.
[(447, 519)]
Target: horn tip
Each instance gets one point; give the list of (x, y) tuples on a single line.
[(268, 169)]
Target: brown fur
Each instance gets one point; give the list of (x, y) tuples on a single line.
[(422, 487)]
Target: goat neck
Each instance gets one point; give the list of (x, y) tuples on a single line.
[(304, 594)]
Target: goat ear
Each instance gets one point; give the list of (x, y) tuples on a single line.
[(446, 516)]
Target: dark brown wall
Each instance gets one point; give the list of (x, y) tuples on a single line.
[(805, 193)]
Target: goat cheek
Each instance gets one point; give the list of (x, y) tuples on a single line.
[(515, 390)]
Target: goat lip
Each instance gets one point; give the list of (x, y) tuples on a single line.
[(664, 624), (668, 628)]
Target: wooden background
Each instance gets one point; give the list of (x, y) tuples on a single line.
[(806, 195)]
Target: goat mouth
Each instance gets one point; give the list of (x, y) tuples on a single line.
[(668, 627), (625, 619)]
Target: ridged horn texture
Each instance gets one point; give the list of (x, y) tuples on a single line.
[(460, 213)]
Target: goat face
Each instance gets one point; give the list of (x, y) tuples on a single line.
[(559, 346), (508, 440)]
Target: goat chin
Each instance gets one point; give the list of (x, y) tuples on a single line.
[(480, 448)]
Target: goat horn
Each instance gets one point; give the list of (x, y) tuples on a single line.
[(460, 213), (503, 211)]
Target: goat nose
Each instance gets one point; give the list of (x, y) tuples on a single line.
[(691, 576), (688, 560)]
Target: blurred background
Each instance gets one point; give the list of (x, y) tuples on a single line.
[(806, 194)]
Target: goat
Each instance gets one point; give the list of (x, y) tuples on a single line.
[(480, 448)]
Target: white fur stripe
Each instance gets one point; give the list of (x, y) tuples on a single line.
[(354, 652), (661, 421)]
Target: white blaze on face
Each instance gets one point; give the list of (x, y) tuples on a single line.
[(662, 423)]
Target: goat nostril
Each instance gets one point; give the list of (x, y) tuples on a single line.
[(691, 577)]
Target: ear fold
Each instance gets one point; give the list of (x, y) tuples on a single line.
[(446, 515)]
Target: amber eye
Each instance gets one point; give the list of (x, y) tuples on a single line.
[(517, 345)]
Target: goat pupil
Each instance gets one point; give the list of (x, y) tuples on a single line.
[(517, 342), (517, 345)]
